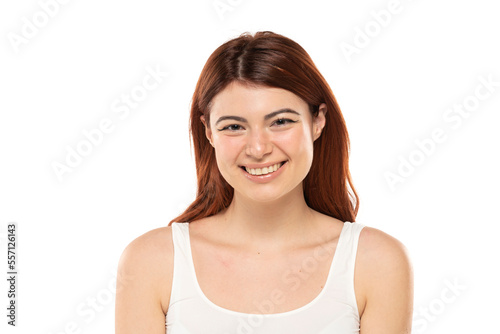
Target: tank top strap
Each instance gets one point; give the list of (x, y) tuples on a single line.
[(342, 283), (334, 310), (183, 283)]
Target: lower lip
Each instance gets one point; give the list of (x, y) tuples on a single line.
[(264, 178)]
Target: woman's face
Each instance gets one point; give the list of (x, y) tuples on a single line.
[(263, 139)]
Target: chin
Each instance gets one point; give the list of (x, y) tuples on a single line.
[(271, 195)]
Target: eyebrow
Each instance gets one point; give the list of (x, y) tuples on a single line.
[(268, 116)]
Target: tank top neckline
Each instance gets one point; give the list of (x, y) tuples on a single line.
[(269, 315)]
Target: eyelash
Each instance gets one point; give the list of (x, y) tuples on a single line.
[(285, 120), (227, 127)]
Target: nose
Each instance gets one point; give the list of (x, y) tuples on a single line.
[(258, 145)]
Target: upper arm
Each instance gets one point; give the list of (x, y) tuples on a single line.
[(388, 284), (143, 282)]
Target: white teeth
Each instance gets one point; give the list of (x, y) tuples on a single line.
[(263, 171)]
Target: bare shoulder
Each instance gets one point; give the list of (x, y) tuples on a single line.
[(385, 275), (376, 244), (152, 247), (379, 257), (147, 263)]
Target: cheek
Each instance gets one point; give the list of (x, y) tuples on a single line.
[(227, 151), (298, 141)]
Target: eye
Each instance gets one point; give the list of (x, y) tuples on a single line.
[(231, 127), (283, 121)]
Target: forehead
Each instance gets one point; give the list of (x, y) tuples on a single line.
[(238, 98)]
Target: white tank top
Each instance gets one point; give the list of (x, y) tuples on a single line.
[(333, 311)]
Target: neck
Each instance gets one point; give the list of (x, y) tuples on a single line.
[(268, 226)]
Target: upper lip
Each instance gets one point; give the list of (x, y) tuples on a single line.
[(255, 166)]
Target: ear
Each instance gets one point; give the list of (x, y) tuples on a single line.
[(319, 121), (208, 131)]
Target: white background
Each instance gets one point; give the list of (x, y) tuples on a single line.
[(394, 91)]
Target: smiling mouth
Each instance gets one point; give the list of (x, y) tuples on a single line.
[(265, 170)]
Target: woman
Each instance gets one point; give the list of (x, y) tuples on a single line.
[(270, 244)]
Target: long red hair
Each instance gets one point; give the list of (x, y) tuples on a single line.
[(272, 60)]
